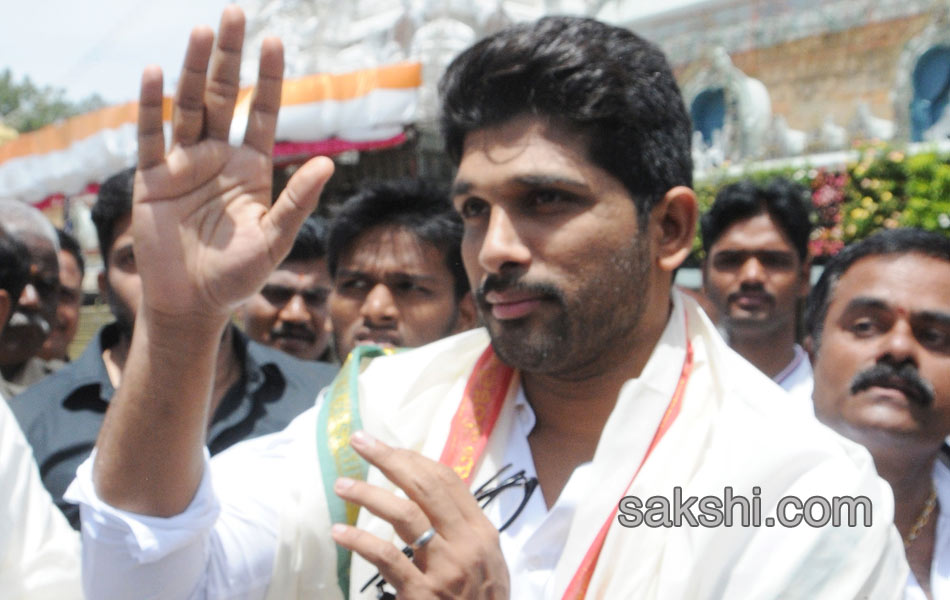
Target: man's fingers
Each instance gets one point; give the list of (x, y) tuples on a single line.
[(391, 562), (151, 136), (464, 547), (262, 118), (224, 75), (188, 110), (295, 203), (407, 519), (437, 490)]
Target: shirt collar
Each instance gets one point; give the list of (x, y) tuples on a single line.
[(90, 368), (797, 359)]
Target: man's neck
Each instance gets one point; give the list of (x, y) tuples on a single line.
[(770, 351), (228, 370), (571, 411), (10, 372), (911, 479), (114, 358)]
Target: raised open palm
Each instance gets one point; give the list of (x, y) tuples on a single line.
[(206, 235)]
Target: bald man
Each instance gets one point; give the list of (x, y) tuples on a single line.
[(32, 320)]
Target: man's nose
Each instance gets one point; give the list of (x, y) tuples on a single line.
[(295, 310), (502, 244), (752, 272), (29, 298), (899, 345), (379, 307)]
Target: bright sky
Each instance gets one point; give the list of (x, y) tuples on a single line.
[(101, 46), (98, 46)]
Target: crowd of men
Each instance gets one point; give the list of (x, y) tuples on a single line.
[(557, 377)]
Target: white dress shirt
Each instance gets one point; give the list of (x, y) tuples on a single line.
[(797, 378), (39, 551)]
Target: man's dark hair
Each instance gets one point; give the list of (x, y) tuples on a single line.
[(14, 267), (786, 202), (71, 245), (886, 243), (422, 207), (113, 203), (611, 85), (311, 240)]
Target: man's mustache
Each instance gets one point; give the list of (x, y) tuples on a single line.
[(758, 291), (22, 319), (508, 284), (293, 331), (905, 378)]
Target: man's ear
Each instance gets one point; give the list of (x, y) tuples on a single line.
[(808, 343), (806, 279), (468, 316), (702, 271), (675, 217), (103, 283), (6, 307)]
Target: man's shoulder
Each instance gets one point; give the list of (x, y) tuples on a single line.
[(37, 368), (287, 385), (61, 417), (758, 436), (441, 361), (306, 373), (76, 379), (744, 385), (765, 418), (798, 378), (423, 377)]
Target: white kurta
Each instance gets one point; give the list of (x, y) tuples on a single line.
[(39, 551), (797, 379), (730, 432)]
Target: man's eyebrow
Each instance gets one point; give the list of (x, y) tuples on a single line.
[(752, 252), (414, 276), (284, 286), (877, 304), (123, 249), (390, 275), (866, 303), (342, 272), (940, 317), (459, 188), (462, 187), (543, 180)]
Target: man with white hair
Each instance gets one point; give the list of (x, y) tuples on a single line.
[(39, 553), (32, 320)]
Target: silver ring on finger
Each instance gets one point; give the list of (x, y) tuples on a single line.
[(423, 539)]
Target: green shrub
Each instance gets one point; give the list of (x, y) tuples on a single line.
[(884, 189)]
